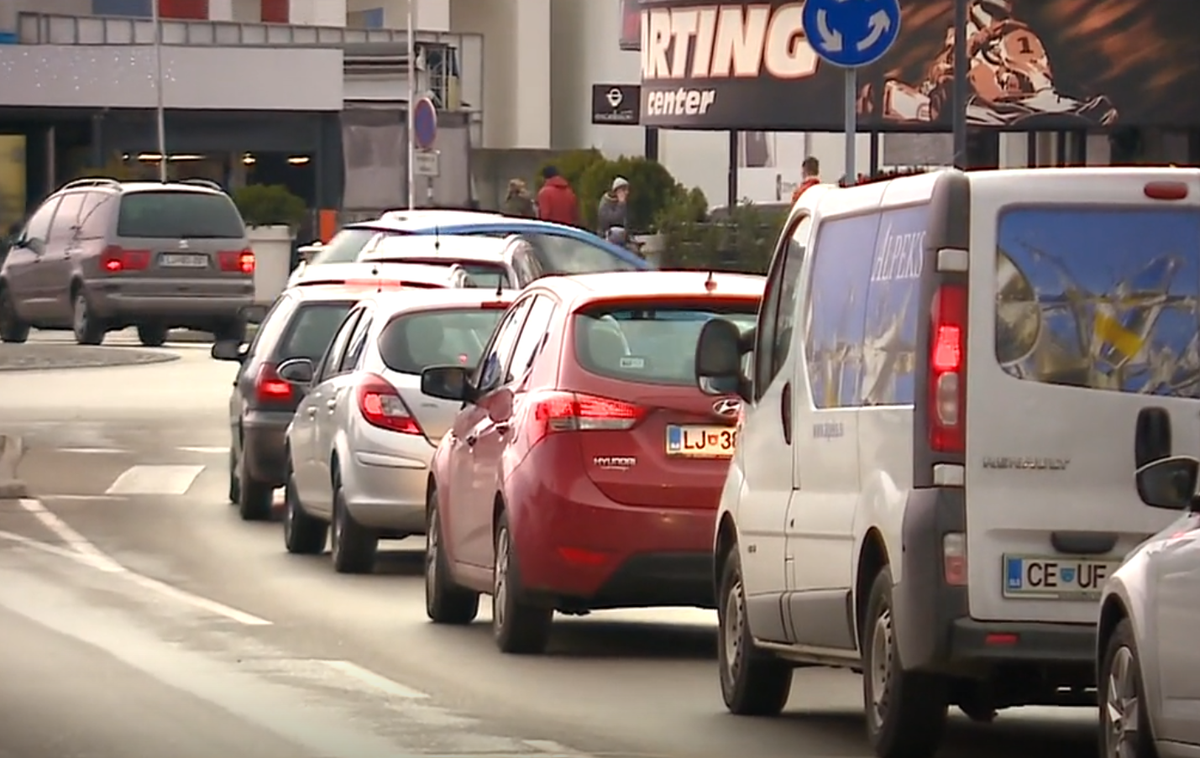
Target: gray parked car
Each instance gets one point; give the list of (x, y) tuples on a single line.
[(100, 255)]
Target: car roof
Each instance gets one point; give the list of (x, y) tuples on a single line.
[(329, 293), (397, 302), (431, 216), (417, 273), (202, 186), (638, 284), (454, 247)]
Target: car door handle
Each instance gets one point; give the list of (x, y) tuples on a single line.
[(331, 404), (312, 412), (502, 428), (470, 439), (785, 412)]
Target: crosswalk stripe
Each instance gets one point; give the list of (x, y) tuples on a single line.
[(155, 480)]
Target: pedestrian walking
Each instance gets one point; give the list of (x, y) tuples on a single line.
[(614, 207), (518, 202), (810, 175), (556, 200)]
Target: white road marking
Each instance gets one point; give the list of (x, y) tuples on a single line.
[(206, 450), (154, 480), (375, 681), (84, 498), (84, 552), (93, 450), (554, 748)]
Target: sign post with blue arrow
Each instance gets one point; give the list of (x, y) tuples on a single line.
[(851, 34)]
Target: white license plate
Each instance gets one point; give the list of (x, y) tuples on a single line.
[(1058, 578), (175, 260), (701, 441)]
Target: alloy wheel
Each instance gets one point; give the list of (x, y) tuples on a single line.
[(881, 667), (500, 578), (1122, 707), (80, 320), (432, 545), (732, 629)]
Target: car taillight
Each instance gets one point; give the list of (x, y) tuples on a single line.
[(240, 261), (269, 388), (381, 406), (116, 259), (574, 412), (947, 360), (954, 559)]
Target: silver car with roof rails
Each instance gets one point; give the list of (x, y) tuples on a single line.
[(101, 255)]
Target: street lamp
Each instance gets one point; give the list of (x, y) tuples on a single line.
[(412, 101), (960, 84), (159, 116)]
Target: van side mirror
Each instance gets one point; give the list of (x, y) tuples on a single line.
[(448, 383), (1169, 482), (719, 358), (229, 350), (298, 371)]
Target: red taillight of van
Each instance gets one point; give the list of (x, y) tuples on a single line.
[(116, 259), (573, 412), (947, 361)]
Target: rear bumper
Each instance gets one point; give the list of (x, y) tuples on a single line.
[(934, 628), (579, 550), (185, 304), (386, 491), (264, 445)]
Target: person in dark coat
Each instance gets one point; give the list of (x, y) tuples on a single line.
[(518, 202), (556, 200), (614, 207)]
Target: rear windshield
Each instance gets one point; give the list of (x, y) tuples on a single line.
[(345, 247), (654, 344), (485, 275), (563, 255), (176, 213), (1100, 297), (311, 330), (413, 342)]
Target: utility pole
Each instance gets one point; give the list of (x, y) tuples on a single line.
[(159, 109), (412, 101), (960, 84)]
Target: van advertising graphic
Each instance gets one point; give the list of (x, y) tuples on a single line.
[(862, 335), (1032, 64), (1104, 299)]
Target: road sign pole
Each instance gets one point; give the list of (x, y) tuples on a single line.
[(851, 125)]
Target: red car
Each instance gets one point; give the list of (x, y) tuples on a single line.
[(584, 470)]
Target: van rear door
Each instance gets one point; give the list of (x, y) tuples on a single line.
[(1083, 311)]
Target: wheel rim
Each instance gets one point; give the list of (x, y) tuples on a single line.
[(1121, 706), (732, 628), (500, 578), (432, 543), (81, 315), (881, 666)]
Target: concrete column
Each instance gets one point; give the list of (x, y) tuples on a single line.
[(318, 12), (220, 10), (1014, 152), (531, 74)]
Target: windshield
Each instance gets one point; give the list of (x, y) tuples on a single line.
[(311, 330), (413, 342), (345, 247), (652, 343), (176, 214), (483, 274), (563, 255)]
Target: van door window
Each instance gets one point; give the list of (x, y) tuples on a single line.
[(1102, 298), (62, 230), (776, 321), (38, 228)]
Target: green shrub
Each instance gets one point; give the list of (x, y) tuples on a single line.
[(269, 205), (743, 243), (652, 189)]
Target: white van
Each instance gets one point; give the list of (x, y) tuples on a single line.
[(954, 378)]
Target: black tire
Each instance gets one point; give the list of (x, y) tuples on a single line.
[(753, 682), (910, 716), (255, 498), (445, 601), (518, 627), (12, 328), (152, 335), (352, 545), (302, 534), (235, 486), (1116, 739), (88, 330)]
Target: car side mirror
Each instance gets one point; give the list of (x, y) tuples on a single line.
[(297, 371), (1169, 482), (230, 350), (719, 358), (448, 383)]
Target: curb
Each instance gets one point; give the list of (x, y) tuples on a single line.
[(11, 450)]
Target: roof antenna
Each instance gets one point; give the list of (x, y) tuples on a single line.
[(710, 283), (499, 287), (437, 239), (378, 281)]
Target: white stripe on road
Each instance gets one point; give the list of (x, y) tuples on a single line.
[(155, 480), (93, 450), (206, 450), (375, 681), (86, 553), (84, 498)]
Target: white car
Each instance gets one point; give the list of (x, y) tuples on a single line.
[(933, 479), (360, 442), (389, 275), (1149, 672), (491, 262)]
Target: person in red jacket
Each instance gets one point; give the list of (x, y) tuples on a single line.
[(556, 200)]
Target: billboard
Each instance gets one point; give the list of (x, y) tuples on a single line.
[(1032, 64)]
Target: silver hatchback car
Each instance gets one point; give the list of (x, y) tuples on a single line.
[(361, 440), (100, 255)]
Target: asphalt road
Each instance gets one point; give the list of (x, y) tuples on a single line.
[(149, 588)]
